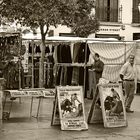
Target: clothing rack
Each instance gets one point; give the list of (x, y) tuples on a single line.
[(67, 42)]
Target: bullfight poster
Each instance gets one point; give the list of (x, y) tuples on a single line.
[(112, 103), (71, 108)]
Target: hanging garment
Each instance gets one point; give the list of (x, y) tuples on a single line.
[(79, 56), (47, 49), (63, 53), (53, 49), (81, 53), (37, 50), (30, 48), (36, 73), (64, 56), (58, 75), (75, 76), (11, 76), (49, 71), (76, 48)]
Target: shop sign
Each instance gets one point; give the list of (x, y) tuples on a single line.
[(110, 29)]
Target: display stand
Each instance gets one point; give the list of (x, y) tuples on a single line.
[(95, 112), (70, 102), (111, 104), (92, 83), (28, 93), (55, 115), (10, 52)]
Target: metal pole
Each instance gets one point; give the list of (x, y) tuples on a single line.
[(33, 64), (19, 61), (85, 94)]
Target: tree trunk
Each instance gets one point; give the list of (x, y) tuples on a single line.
[(41, 65)]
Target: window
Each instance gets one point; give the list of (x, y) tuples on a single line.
[(116, 36), (107, 10), (135, 12), (136, 36), (67, 34)]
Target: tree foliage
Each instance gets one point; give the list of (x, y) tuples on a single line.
[(85, 27), (40, 13), (46, 13)]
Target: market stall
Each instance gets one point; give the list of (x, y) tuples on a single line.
[(67, 61), (10, 69)]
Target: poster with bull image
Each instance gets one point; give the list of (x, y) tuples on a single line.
[(71, 108), (112, 103)]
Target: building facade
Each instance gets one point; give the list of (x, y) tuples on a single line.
[(118, 19)]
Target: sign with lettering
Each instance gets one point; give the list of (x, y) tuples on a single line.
[(49, 92), (112, 104), (31, 93), (17, 93), (71, 108), (36, 93)]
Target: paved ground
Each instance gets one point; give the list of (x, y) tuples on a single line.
[(22, 127)]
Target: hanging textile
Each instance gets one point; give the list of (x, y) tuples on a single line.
[(47, 49), (137, 58), (49, 71), (9, 51), (114, 55), (64, 56), (79, 57), (37, 49), (36, 72)]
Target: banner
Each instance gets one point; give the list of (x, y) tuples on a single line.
[(37, 93), (49, 93), (31, 93), (71, 108), (112, 104)]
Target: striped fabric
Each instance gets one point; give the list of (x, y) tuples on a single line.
[(75, 76), (114, 55)]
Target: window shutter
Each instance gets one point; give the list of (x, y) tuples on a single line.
[(101, 10), (113, 10), (135, 13)]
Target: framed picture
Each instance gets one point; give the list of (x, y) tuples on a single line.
[(71, 108), (112, 104)]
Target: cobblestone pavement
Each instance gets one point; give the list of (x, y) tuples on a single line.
[(21, 126)]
